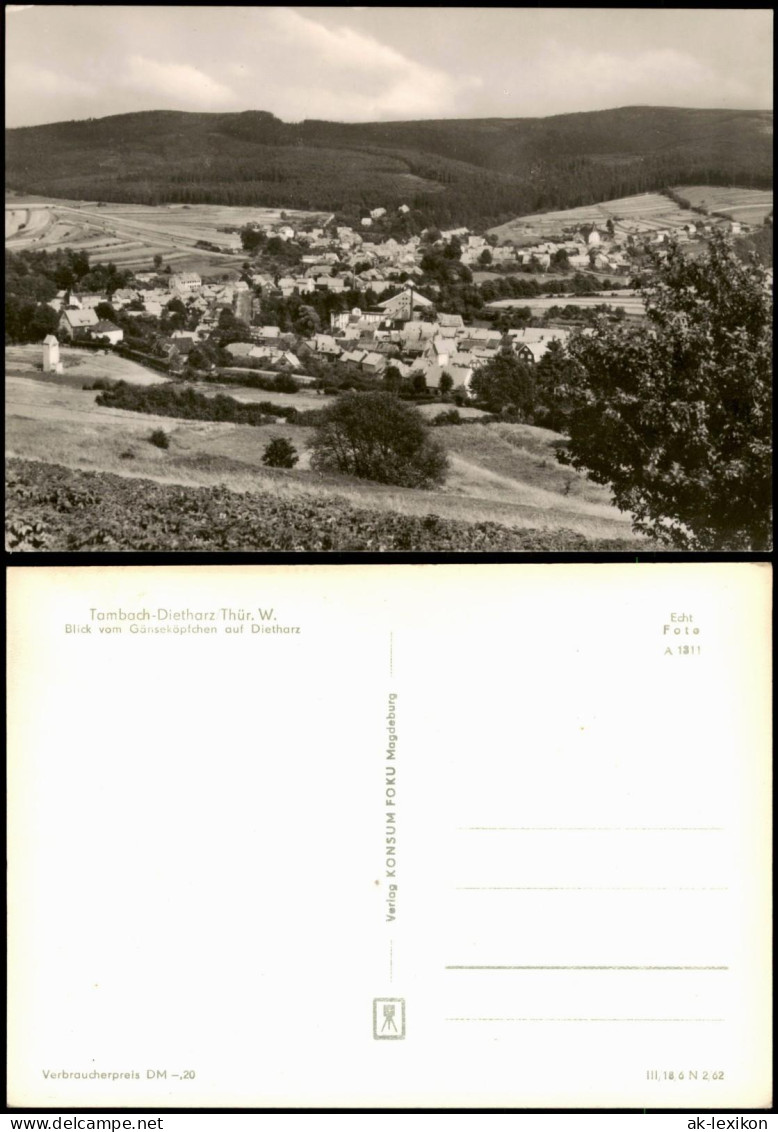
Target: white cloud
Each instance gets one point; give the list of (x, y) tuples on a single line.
[(340, 72), (186, 85), (27, 81), (576, 79)]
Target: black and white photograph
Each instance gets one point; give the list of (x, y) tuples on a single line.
[(388, 279)]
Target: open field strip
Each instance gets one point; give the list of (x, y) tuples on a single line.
[(80, 366), (15, 218), (749, 205), (633, 304), (627, 213), (38, 222)]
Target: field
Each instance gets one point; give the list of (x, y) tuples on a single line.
[(504, 473), (130, 235), (80, 366), (642, 214), (631, 301), (750, 206)]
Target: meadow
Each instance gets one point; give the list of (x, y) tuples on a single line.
[(631, 301), (504, 473), (130, 235), (749, 206), (642, 214)]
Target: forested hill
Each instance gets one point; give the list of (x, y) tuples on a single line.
[(469, 171)]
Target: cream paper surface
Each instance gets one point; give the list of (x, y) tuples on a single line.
[(564, 770)]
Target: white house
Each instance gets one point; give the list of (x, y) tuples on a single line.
[(265, 334), (186, 282), (373, 363), (403, 305), (326, 345), (270, 354), (106, 332), (89, 302), (375, 213)]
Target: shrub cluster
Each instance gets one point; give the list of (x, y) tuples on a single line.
[(172, 401)]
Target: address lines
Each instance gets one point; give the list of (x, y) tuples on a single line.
[(587, 888), (589, 829)]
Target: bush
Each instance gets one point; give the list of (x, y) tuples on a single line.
[(172, 401), (450, 417), (99, 383), (376, 437), (159, 438), (280, 453)]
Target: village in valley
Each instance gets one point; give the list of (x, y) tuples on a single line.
[(432, 350)]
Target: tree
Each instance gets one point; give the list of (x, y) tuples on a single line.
[(676, 415), (203, 356), (157, 261), (176, 306), (552, 375), (105, 312), (251, 238), (280, 453), (378, 437), (485, 257), (505, 382), (446, 384), (307, 323), (392, 379)]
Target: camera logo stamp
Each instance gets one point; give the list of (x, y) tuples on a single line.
[(388, 1018)]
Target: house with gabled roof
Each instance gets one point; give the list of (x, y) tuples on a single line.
[(104, 331), (454, 321), (185, 281), (75, 323), (325, 345)]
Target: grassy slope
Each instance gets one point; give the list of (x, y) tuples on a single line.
[(502, 473), (54, 508)]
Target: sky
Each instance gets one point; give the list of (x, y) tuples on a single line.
[(359, 64)]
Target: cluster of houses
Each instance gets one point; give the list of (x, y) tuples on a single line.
[(404, 332), (79, 321), (600, 249)]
